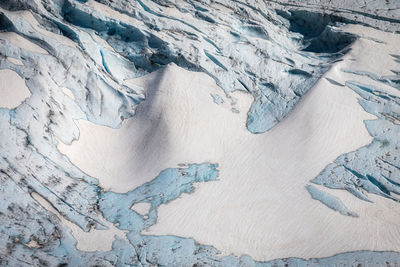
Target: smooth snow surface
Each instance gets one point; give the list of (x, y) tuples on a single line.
[(179, 123), (68, 93), (12, 89), (262, 177), (15, 61), (142, 208)]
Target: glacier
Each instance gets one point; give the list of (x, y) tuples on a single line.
[(273, 51)]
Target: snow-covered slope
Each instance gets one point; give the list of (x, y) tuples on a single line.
[(199, 133)]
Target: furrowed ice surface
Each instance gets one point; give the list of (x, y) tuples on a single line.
[(77, 60), (252, 42), (374, 168)]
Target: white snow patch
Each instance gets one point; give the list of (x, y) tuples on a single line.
[(142, 208), (68, 93), (13, 90), (15, 61)]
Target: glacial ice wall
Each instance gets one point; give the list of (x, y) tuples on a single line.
[(271, 50)]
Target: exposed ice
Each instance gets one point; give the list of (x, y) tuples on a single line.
[(62, 61)]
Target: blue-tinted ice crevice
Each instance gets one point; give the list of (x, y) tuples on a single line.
[(250, 45), (374, 168), (329, 200)]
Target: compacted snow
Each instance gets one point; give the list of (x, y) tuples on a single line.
[(12, 89)]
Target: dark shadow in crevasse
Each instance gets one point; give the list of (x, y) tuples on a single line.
[(319, 36), (5, 24)]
